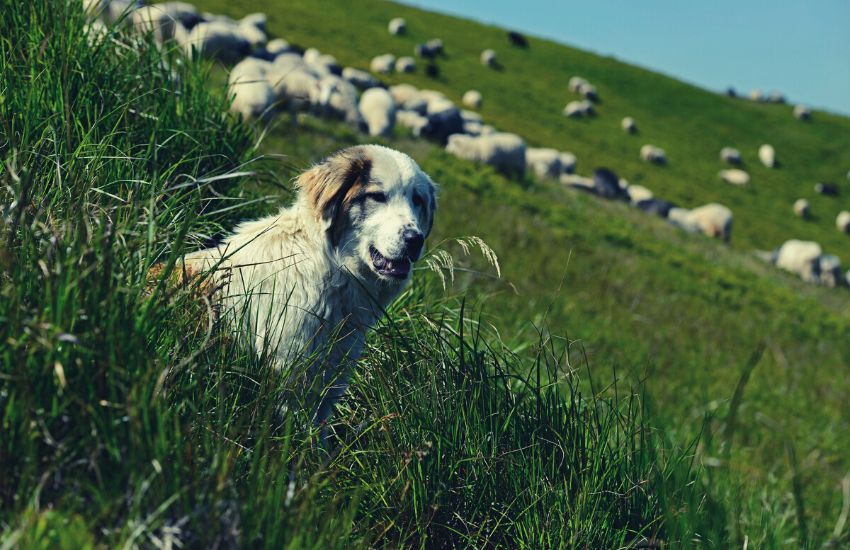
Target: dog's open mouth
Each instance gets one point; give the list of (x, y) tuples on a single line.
[(397, 268)]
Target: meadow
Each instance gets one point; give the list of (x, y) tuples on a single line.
[(621, 383)]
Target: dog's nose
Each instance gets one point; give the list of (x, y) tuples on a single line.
[(413, 241)]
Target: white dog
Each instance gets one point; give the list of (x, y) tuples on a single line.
[(309, 281)]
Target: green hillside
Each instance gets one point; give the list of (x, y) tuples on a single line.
[(697, 398)]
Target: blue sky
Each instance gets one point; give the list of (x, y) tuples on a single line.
[(801, 48)]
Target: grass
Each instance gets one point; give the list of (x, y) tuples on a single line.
[(128, 419)]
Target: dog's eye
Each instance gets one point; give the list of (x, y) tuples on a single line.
[(418, 201), (377, 197)]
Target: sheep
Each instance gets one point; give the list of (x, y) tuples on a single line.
[(397, 26), (731, 92), (408, 97), (517, 39), (377, 108), (444, 118), (802, 112), (472, 99), (800, 258), (606, 184), (544, 162), (713, 220), (336, 97), (430, 49), (767, 155), (405, 65), (361, 79), (775, 97), (252, 94), (277, 46), (217, 40), (757, 95), (842, 221), (829, 189), (252, 28), (382, 63), (162, 19), (568, 162), (432, 71), (109, 11), (416, 122), (829, 271), (588, 91), (578, 182), (488, 58), (734, 176), (638, 194), (730, 155), (578, 109), (576, 83), (653, 154), (321, 64), (504, 151), (628, 125), (658, 207), (293, 83), (801, 208)]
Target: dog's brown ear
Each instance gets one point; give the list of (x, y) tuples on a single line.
[(330, 187)]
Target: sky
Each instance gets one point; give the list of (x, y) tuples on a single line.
[(800, 48)]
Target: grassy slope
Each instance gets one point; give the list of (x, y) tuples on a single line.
[(642, 297)]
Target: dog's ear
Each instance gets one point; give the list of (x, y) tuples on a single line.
[(330, 187)]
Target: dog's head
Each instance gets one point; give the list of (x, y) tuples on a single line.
[(376, 206)]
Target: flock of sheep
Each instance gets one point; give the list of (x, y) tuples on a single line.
[(271, 76)]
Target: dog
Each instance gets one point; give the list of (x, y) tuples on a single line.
[(311, 280)]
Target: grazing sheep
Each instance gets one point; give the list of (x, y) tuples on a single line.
[(382, 63), (767, 155), (775, 97), (638, 194), (109, 11), (414, 121), (568, 162), (293, 84), (405, 65), (430, 49), (444, 118), (252, 94), (516, 39), (713, 220), (606, 184), (757, 95), (336, 97), (578, 109), (576, 83), (544, 162), (217, 40), (470, 116), (432, 71), (829, 189), (802, 112), (377, 108), (730, 155), (628, 125), (731, 92), (734, 176), (361, 79), (321, 64), (801, 208), (658, 207), (829, 271), (653, 154), (588, 91), (800, 258), (488, 58), (252, 28), (842, 221), (397, 26), (160, 19), (504, 151), (472, 99), (277, 46), (408, 97)]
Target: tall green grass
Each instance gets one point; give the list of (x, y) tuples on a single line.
[(130, 419)]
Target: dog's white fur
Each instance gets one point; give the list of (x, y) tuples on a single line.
[(305, 282)]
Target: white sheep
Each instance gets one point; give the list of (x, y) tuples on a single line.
[(578, 182), (488, 58), (397, 26), (217, 40), (378, 110), (802, 112), (800, 258), (159, 19), (568, 162), (713, 220), (412, 120), (842, 221), (252, 96), (767, 155), (252, 28), (544, 162), (628, 125), (405, 65), (277, 46), (638, 193), (801, 208), (576, 83), (472, 99), (757, 95), (293, 84), (730, 155), (653, 154), (578, 109), (734, 176), (588, 91), (408, 97), (504, 151), (361, 79), (109, 11), (382, 63), (336, 97)]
